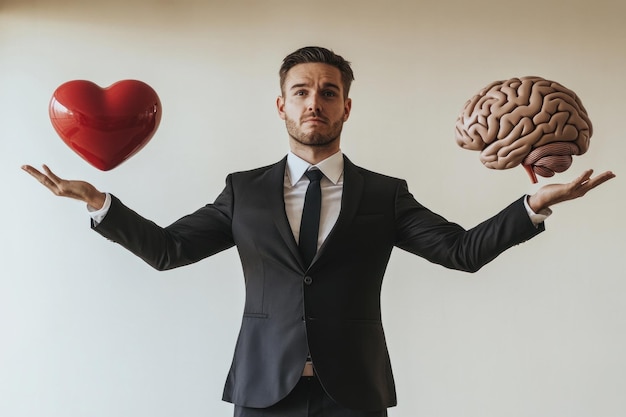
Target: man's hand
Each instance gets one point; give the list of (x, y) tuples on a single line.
[(79, 190), (552, 194)]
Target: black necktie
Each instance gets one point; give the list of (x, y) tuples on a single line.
[(310, 225)]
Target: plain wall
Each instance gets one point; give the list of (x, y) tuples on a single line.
[(87, 329)]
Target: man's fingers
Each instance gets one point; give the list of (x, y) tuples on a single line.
[(79, 190), (34, 173), (599, 179), (52, 175), (44, 179), (586, 183), (583, 178)]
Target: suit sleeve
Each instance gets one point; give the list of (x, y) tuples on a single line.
[(196, 236), (424, 233)]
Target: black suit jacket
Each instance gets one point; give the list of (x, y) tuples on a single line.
[(330, 309)]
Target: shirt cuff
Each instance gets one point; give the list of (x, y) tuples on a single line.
[(98, 215), (536, 218)]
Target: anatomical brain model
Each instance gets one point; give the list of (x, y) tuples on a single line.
[(530, 121)]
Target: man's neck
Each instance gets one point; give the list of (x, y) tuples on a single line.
[(313, 154)]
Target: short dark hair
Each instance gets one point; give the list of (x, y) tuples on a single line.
[(317, 54)]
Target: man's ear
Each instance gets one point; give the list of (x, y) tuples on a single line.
[(280, 106), (347, 107)]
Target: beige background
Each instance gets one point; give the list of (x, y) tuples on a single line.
[(86, 329)]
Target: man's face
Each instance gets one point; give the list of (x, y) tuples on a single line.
[(313, 105)]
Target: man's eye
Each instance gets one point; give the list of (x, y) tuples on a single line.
[(300, 93), (329, 94)]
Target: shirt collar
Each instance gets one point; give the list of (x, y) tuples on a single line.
[(331, 167)]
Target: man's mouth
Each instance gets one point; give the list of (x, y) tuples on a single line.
[(315, 120)]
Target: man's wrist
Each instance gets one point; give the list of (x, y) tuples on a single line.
[(98, 215), (533, 204), (536, 216), (96, 202)]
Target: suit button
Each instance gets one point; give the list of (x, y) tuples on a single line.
[(308, 280)]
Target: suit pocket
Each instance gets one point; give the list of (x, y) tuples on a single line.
[(368, 218), (255, 315), (363, 322)]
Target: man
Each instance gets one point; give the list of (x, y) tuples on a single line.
[(311, 341)]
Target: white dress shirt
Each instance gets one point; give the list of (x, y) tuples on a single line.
[(331, 184)]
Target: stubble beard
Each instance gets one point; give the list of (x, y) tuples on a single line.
[(316, 139)]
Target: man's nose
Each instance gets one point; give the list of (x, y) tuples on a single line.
[(315, 104)]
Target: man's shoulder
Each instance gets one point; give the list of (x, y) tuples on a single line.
[(254, 172), (369, 174), (261, 177)]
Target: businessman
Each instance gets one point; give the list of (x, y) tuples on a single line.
[(314, 233)]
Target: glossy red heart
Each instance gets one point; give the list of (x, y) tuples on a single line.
[(105, 126)]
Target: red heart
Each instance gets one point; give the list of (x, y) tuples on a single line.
[(105, 126)]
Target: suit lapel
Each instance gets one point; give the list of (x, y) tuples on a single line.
[(351, 196), (273, 184)]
